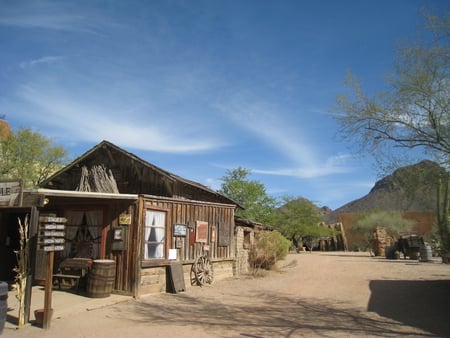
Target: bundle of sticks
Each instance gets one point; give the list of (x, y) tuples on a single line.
[(97, 179)]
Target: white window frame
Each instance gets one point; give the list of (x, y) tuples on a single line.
[(154, 234)]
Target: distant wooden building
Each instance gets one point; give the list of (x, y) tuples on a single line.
[(122, 208)]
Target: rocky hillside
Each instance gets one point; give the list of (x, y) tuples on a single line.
[(410, 188)]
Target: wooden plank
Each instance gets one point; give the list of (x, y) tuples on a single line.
[(51, 219), (224, 234), (176, 277), (31, 249)]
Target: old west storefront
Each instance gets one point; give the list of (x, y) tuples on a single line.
[(179, 231), (145, 220), (143, 234), (92, 218)]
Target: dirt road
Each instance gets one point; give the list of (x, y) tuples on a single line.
[(311, 295)]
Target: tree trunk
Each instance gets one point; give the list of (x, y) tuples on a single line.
[(443, 216)]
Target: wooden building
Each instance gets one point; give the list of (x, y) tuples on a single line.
[(122, 208)]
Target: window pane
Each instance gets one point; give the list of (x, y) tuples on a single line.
[(155, 229)]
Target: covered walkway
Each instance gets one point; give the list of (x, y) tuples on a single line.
[(64, 303)]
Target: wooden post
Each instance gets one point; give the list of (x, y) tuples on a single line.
[(31, 252), (48, 291)]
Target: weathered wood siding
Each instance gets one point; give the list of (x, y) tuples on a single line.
[(112, 209), (152, 273), (125, 273), (189, 212)]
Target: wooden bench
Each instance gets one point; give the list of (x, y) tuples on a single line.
[(59, 277)]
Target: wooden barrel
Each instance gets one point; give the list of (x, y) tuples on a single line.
[(101, 278), (3, 304)]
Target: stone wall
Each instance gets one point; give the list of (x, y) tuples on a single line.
[(243, 247)]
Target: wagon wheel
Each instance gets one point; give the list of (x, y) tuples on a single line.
[(202, 271)]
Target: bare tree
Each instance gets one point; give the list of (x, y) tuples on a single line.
[(411, 114)]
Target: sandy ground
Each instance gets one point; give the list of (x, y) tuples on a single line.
[(310, 295)]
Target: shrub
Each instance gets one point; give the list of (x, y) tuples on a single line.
[(269, 248)]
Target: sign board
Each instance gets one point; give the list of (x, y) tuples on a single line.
[(51, 233), (54, 226), (52, 219), (53, 248), (8, 187), (9, 191), (179, 230), (125, 219), (201, 233), (213, 233), (53, 241)]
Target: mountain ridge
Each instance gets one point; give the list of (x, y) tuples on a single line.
[(409, 188)]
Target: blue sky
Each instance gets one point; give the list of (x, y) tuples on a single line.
[(201, 87)]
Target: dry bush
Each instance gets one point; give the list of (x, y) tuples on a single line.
[(270, 247)]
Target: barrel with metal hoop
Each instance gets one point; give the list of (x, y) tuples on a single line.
[(101, 278)]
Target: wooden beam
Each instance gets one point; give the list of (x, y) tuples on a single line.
[(31, 253), (48, 291)]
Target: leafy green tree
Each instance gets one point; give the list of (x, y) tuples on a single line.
[(250, 194), (299, 220), (392, 221), (411, 114), (30, 156)]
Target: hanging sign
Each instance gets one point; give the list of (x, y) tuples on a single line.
[(52, 219), (125, 219), (53, 248), (179, 230), (53, 241), (51, 233), (9, 191), (201, 235), (53, 226)]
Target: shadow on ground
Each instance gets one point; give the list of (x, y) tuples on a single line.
[(422, 304), (270, 316)]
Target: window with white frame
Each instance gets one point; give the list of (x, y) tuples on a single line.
[(155, 234)]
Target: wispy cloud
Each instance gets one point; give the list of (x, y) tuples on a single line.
[(266, 121), (53, 15), (87, 121), (306, 172), (42, 60)]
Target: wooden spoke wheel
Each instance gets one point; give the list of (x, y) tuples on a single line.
[(202, 272)]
